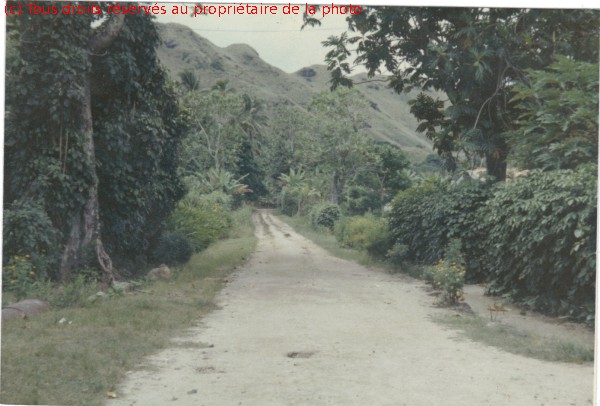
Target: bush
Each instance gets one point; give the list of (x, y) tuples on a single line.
[(214, 198), (325, 215), (365, 233), (201, 224), (172, 248), (418, 220), (447, 276), (28, 231), (541, 241), (427, 217), (359, 200)]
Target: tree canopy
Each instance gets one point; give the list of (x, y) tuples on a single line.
[(91, 137), (474, 56)]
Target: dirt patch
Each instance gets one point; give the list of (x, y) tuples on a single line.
[(373, 332), (524, 320), (300, 354)]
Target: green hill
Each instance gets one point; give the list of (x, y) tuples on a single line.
[(389, 116)]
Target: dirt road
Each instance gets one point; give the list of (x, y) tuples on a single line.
[(297, 326)]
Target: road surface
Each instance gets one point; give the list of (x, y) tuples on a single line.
[(297, 326)]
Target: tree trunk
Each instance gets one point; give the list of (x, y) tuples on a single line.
[(496, 164), (84, 246), (335, 197)]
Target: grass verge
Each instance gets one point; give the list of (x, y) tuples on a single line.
[(328, 242), (510, 339), (473, 327), (44, 362)]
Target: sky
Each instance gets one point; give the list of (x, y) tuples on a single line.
[(278, 38)]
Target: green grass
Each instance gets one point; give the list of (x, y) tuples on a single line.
[(44, 362), (327, 241), (510, 339)]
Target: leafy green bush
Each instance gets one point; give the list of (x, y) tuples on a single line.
[(541, 241), (360, 199), (29, 232), (427, 217), (418, 220), (365, 233), (325, 215), (201, 224), (172, 248)]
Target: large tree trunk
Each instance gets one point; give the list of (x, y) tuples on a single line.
[(84, 246)]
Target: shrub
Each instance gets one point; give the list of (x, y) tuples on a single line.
[(28, 231), (447, 276), (18, 276), (365, 233), (201, 224), (418, 220), (195, 197), (325, 215), (359, 200), (541, 241), (172, 248), (427, 217)]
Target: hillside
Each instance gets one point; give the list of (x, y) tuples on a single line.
[(183, 49)]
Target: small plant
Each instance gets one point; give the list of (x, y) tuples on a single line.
[(18, 276), (449, 277), (74, 293)]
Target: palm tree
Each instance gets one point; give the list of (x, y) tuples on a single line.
[(189, 81)]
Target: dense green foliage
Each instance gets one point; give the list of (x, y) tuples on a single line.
[(28, 231), (418, 220), (325, 215), (172, 248), (364, 233), (558, 125), (475, 56), (51, 163), (138, 131), (201, 223), (541, 241), (532, 238)]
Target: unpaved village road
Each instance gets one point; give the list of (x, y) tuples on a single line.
[(297, 326)]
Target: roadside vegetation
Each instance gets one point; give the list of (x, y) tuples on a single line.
[(80, 360), (112, 167)]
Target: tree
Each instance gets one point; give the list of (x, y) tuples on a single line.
[(189, 81), (56, 145), (558, 125), (473, 55), (334, 142), (388, 166), (214, 127)]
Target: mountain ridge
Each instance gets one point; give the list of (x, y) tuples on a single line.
[(388, 116)]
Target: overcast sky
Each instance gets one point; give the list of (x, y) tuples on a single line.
[(277, 38)]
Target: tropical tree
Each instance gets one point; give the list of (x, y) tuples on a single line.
[(92, 130), (334, 143), (474, 56), (189, 81), (558, 123), (215, 130)]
